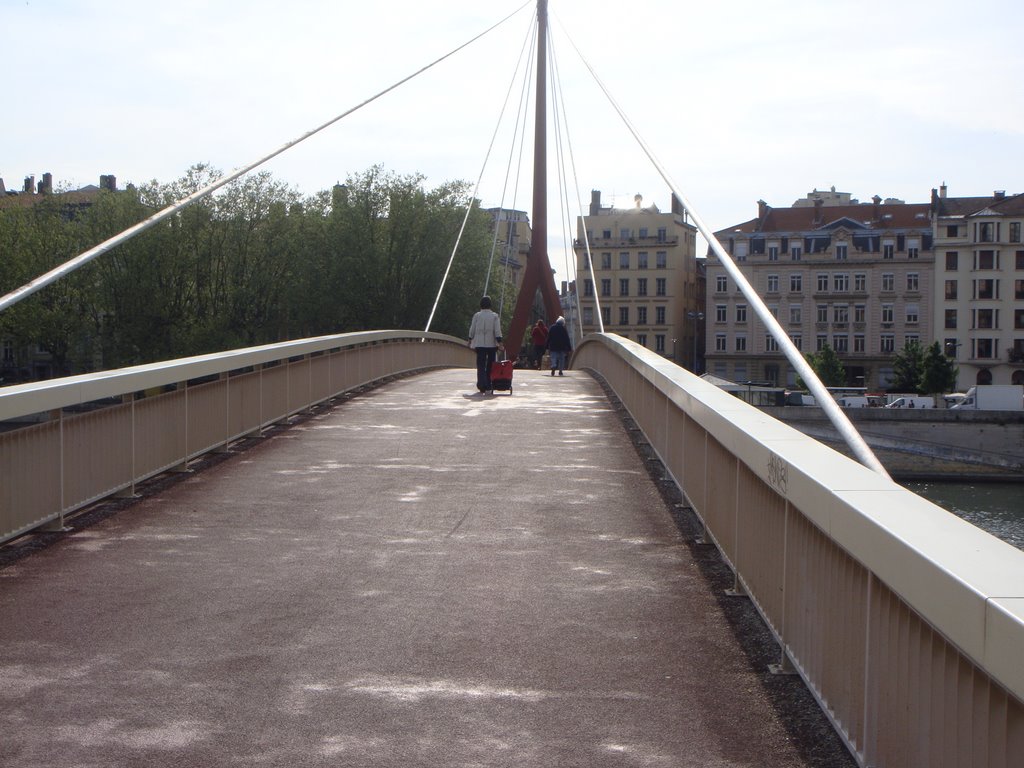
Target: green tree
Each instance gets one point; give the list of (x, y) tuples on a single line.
[(939, 372), (827, 365), (907, 368)]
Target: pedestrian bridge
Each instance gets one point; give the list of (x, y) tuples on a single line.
[(425, 576)]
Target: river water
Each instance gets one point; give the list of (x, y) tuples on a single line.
[(996, 507)]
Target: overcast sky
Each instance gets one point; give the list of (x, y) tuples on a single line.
[(740, 100)]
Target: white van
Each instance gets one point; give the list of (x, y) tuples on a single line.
[(912, 401)]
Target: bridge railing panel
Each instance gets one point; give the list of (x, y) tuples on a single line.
[(90, 474), (906, 622), (137, 422)]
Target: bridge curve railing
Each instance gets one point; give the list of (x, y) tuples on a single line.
[(83, 438), (906, 622)]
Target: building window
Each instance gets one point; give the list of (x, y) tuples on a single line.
[(625, 233), (1018, 323), (912, 314), (606, 315), (822, 283), (641, 260), (1018, 289), (741, 343), (641, 286), (911, 338), (888, 282), (795, 314), (796, 283), (841, 313), (985, 289), (606, 261), (773, 283), (820, 342), (720, 342), (641, 339), (773, 253), (642, 233), (913, 282), (841, 252), (623, 286), (588, 315), (606, 286), (983, 348), (860, 282), (952, 230), (985, 232), (841, 344), (659, 315), (641, 315), (841, 283), (951, 318), (741, 313), (659, 343), (951, 289), (720, 313), (585, 259), (952, 260), (660, 286), (721, 284), (798, 340), (588, 287), (662, 234), (1019, 264), (822, 316), (887, 343), (887, 313), (794, 253), (986, 260), (607, 235), (859, 312), (985, 318), (661, 260), (770, 344), (913, 249), (623, 315), (624, 260), (858, 343), (1014, 231), (887, 250)]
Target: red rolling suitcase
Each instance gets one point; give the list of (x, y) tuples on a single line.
[(501, 375)]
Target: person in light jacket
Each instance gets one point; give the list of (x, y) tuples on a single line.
[(559, 345), (485, 338)]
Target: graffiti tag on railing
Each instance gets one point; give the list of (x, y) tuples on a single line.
[(778, 473)]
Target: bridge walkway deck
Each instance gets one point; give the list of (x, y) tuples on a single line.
[(419, 576)]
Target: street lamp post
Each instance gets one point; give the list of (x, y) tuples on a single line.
[(696, 317)]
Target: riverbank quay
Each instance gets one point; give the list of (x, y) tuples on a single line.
[(926, 444)]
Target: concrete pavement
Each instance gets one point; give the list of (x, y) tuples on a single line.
[(420, 576)]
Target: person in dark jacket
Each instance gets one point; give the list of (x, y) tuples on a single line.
[(539, 338), (559, 345)]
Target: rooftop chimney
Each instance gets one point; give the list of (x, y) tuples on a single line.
[(762, 209), (999, 194), (942, 191), (638, 199), (876, 210), (595, 202)]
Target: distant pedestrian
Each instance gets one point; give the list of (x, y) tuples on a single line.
[(485, 338), (539, 337), (559, 345)]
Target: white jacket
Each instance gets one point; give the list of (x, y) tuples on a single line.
[(485, 330)]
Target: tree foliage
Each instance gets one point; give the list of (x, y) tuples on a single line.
[(907, 368), (939, 372), (827, 365), (255, 263)]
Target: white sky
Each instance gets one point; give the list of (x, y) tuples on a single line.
[(739, 100)]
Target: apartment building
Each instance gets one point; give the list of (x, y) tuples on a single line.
[(855, 276), (513, 237), (641, 279), (979, 307)]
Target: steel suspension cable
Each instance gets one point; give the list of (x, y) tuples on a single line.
[(839, 419), (469, 207), (83, 258)]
